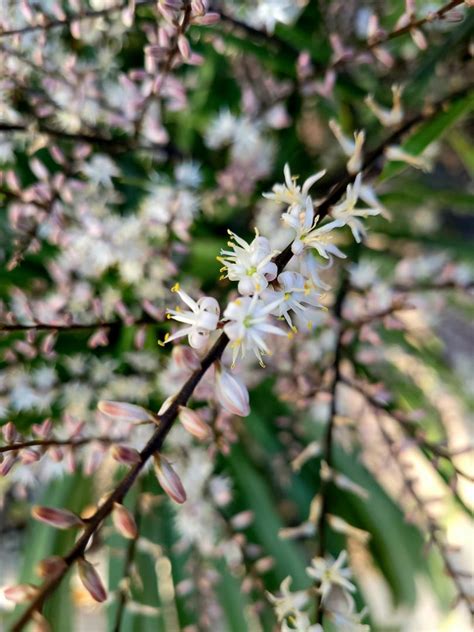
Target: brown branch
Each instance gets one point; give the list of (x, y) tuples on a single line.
[(415, 24), (327, 441), (144, 320), (47, 443), (396, 306)]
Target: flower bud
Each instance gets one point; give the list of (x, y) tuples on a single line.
[(20, 593), (7, 464), (91, 580), (43, 430), (166, 404), (125, 412), (231, 393), (58, 518), (9, 432), (28, 455), (168, 479), (242, 520), (50, 566), (124, 454), (124, 522), (193, 423), (184, 47), (207, 20), (39, 623)]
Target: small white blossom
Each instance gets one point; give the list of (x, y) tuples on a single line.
[(249, 264), (289, 603), (201, 318), (248, 323), (387, 117), (398, 154), (298, 295), (346, 212), (352, 148), (329, 574), (292, 194), (309, 235)]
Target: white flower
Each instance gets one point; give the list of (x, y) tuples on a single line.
[(290, 602), (292, 194), (346, 212), (249, 264), (352, 148), (393, 152), (329, 574), (297, 295), (188, 174), (249, 322), (387, 117), (308, 235), (349, 621), (201, 318)]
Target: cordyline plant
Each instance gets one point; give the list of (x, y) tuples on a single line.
[(140, 142)]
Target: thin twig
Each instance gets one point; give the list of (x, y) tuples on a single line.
[(48, 443), (67, 327)]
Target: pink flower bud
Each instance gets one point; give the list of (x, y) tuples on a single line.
[(50, 566), (207, 20), (193, 423), (185, 358), (231, 393), (165, 405), (124, 454), (7, 464), (9, 432), (242, 520), (20, 593), (126, 412), (39, 623), (168, 479), (28, 456), (43, 430), (58, 518), (124, 522), (91, 580), (184, 47)]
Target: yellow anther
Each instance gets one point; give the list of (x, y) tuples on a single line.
[(175, 287)]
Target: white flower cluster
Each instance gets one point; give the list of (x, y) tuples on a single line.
[(335, 594), (267, 296)]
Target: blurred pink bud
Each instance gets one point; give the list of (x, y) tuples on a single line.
[(58, 518), (207, 20), (43, 430), (419, 39), (39, 623), (28, 455), (193, 423), (231, 393), (9, 432), (264, 564), (242, 520), (7, 464), (50, 566), (91, 580), (48, 342), (124, 454), (20, 593), (184, 47), (198, 7), (75, 29), (168, 479), (185, 358), (98, 339), (124, 522), (125, 412)]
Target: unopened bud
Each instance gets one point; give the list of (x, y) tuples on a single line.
[(193, 423), (28, 456), (264, 564), (124, 454), (39, 623), (91, 580), (124, 522), (50, 566), (184, 47), (126, 412), (207, 20), (231, 393), (242, 520), (168, 479), (20, 593), (9, 432), (58, 518), (7, 464)]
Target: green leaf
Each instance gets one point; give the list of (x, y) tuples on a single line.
[(430, 131)]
